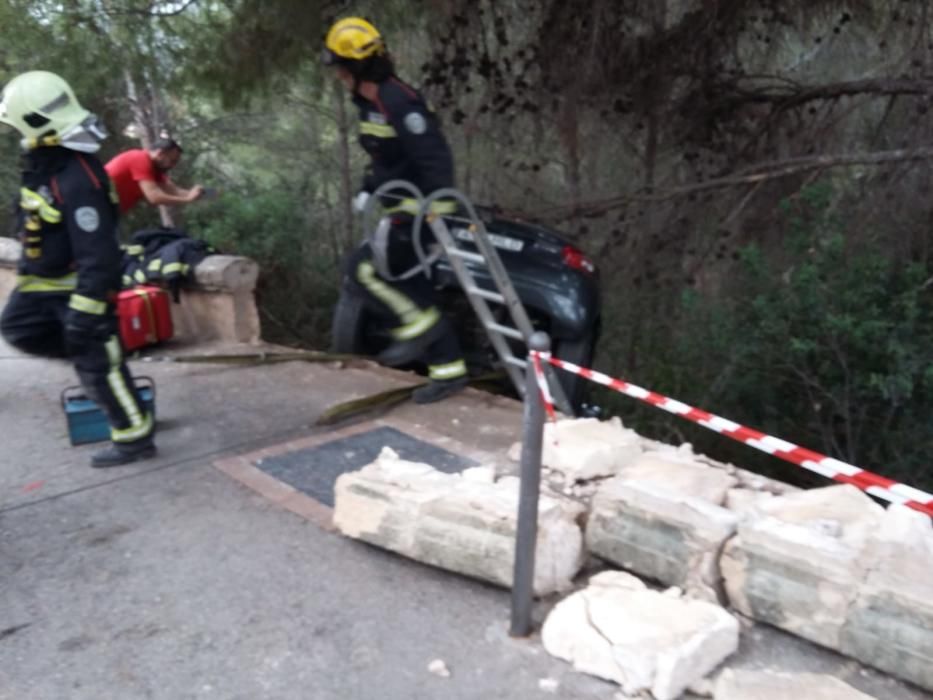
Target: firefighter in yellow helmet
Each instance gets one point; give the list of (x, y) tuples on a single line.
[(403, 139), (69, 272)]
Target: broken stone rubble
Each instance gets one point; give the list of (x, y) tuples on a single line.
[(466, 525), (619, 630), (587, 451), (832, 566), (829, 565), (818, 564), (586, 448)]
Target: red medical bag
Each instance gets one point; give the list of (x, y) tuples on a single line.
[(145, 316)]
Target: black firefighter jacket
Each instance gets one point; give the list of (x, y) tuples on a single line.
[(402, 136), (163, 256), (67, 223)]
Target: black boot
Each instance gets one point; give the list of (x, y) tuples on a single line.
[(123, 453), (437, 390), (403, 352)]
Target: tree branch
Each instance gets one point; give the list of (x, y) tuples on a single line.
[(762, 172), (787, 95)]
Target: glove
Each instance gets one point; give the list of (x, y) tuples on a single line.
[(83, 330), (359, 202)]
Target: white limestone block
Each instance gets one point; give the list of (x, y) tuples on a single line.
[(799, 565), (771, 685), (462, 525), (665, 535), (482, 475), (230, 273), (586, 448), (619, 630), (682, 475), (743, 500), (890, 626)]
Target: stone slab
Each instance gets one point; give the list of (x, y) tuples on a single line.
[(664, 535), (770, 685), (799, 564), (466, 525), (680, 475), (619, 630), (586, 448)]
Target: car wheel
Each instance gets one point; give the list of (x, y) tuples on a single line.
[(355, 329), (579, 352)]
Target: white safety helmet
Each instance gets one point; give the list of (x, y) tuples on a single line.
[(43, 108)]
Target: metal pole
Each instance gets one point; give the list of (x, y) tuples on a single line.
[(527, 531)]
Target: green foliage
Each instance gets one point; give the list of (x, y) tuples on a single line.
[(261, 50), (298, 281), (821, 342)]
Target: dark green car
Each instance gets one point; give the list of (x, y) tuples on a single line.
[(556, 282)]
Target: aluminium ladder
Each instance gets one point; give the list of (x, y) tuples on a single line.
[(463, 262)]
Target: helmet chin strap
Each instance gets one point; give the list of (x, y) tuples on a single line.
[(31, 143)]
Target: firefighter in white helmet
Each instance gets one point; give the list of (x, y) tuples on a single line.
[(69, 272)]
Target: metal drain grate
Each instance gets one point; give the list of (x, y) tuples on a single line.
[(314, 470)]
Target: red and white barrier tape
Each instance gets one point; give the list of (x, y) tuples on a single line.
[(874, 484), (542, 384)]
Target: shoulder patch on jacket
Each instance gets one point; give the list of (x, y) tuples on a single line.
[(415, 123), (87, 219)]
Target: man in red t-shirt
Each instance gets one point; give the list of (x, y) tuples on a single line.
[(141, 174)]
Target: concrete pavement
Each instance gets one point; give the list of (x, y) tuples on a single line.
[(169, 580)]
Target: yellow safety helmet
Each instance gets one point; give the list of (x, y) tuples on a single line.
[(352, 39)]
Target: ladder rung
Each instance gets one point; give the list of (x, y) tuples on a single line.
[(486, 294), (506, 331), (467, 255), (517, 361)]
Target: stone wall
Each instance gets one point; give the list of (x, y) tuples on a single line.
[(220, 305), (829, 565)]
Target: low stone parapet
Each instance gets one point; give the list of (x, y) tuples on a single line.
[(662, 518), (829, 565), (890, 625), (799, 562), (459, 523), (832, 566), (221, 304), (218, 306)]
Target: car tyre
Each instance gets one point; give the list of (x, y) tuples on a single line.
[(355, 330)]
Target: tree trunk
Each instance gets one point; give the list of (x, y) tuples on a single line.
[(345, 206), (148, 126)]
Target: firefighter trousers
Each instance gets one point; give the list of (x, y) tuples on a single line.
[(34, 322), (408, 305)]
